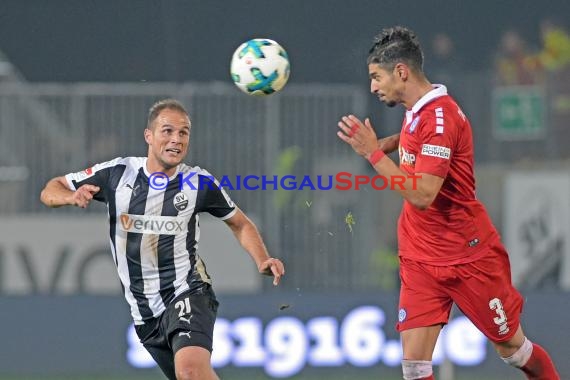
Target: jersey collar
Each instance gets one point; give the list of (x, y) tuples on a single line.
[(439, 90), (149, 174)]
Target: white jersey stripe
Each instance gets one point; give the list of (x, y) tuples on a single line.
[(122, 197), (149, 254)]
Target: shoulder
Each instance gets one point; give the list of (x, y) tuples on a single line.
[(103, 166), (131, 162), (442, 114), (445, 107), (186, 169)]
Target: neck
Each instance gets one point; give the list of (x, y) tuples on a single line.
[(416, 91), (153, 167)]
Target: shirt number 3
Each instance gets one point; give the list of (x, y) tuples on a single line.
[(495, 304)]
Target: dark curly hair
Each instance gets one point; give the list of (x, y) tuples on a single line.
[(395, 45)]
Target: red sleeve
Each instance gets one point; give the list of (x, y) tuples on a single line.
[(437, 135)]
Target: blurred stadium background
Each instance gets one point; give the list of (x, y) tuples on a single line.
[(76, 80)]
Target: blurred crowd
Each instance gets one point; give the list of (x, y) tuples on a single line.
[(518, 63), (516, 60)]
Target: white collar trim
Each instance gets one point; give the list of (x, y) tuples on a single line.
[(149, 174), (439, 90)]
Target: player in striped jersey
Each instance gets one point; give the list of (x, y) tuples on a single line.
[(154, 233), (449, 250)]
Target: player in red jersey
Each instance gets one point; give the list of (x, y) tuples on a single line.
[(449, 250)]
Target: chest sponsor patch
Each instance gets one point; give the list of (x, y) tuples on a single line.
[(436, 151), (406, 158), (152, 224)]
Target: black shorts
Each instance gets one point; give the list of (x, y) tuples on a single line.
[(187, 321)]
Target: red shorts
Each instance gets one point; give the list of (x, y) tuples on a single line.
[(482, 289)]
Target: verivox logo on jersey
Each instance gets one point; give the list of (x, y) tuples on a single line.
[(151, 224)]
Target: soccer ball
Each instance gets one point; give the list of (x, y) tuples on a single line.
[(260, 67)]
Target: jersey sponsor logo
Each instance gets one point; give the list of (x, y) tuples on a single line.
[(436, 151), (407, 158), (180, 201), (89, 171), (151, 224), (133, 189), (402, 314), (414, 124)]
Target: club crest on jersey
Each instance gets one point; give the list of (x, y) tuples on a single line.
[(414, 124), (402, 315), (180, 201)]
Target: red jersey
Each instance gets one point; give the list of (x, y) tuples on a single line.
[(436, 139)]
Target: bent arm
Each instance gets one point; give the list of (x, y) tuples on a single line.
[(419, 189), (56, 193), (389, 144), (248, 236)]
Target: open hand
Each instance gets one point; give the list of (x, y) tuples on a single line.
[(360, 136)]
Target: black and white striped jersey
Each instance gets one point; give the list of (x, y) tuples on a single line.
[(154, 231)]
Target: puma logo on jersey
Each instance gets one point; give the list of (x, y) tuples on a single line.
[(187, 320), (134, 190)]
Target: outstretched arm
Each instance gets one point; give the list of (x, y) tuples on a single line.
[(57, 194), (247, 234)]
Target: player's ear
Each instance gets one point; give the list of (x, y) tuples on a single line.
[(148, 136), (402, 71)]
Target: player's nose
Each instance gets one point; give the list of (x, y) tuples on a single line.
[(373, 87), (175, 138)]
